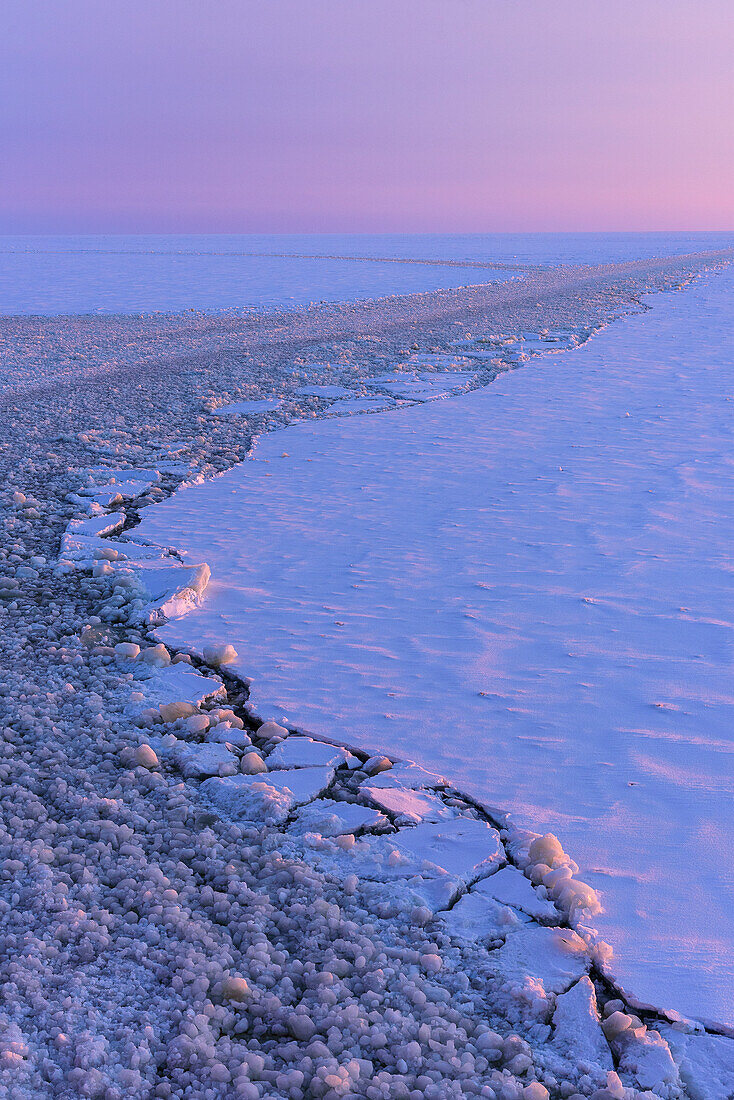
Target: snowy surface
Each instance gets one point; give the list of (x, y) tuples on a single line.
[(528, 589), (360, 405), (127, 274)]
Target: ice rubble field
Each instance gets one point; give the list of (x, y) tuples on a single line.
[(194, 903), (528, 589)]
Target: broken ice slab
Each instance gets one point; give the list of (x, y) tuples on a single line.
[(645, 1057), (477, 918), (510, 887), (171, 588), (328, 817), (304, 752), (324, 391), (97, 526), (551, 959), (406, 803), (104, 474), (177, 683), (415, 390), (116, 491), (360, 405), (577, 1033), (433, 861), (407, 774), (203, 761), (269, 796)]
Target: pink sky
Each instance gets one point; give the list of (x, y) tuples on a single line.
[(366, 115)]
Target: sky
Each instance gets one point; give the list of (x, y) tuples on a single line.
[(366, 115)]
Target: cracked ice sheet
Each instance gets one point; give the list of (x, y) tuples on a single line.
[(330, 818), (177, 683), (554, 958), (432, 861), (706, 1063), (304, 752), (269, 796), (528, 589)]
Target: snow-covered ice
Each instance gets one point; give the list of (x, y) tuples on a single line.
[(528, 589), (550, 959), (330, 818), (150, 943), (304, 752), (360, 405), (268, 796), (512, 888)]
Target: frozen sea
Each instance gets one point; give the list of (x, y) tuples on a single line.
[(529, 589), (143, 274)]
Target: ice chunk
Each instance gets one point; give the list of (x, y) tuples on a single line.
[(330, 818), (478, 918), (553, 958), (577, 1033), (201, 761), (415, 805), (706, 1063), (510, 887), (304, 752), (145, 756), (222, 654), (268, 797)]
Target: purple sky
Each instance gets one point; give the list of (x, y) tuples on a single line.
[(366, 115)]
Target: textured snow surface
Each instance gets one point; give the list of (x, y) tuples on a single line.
[(527, 588)]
